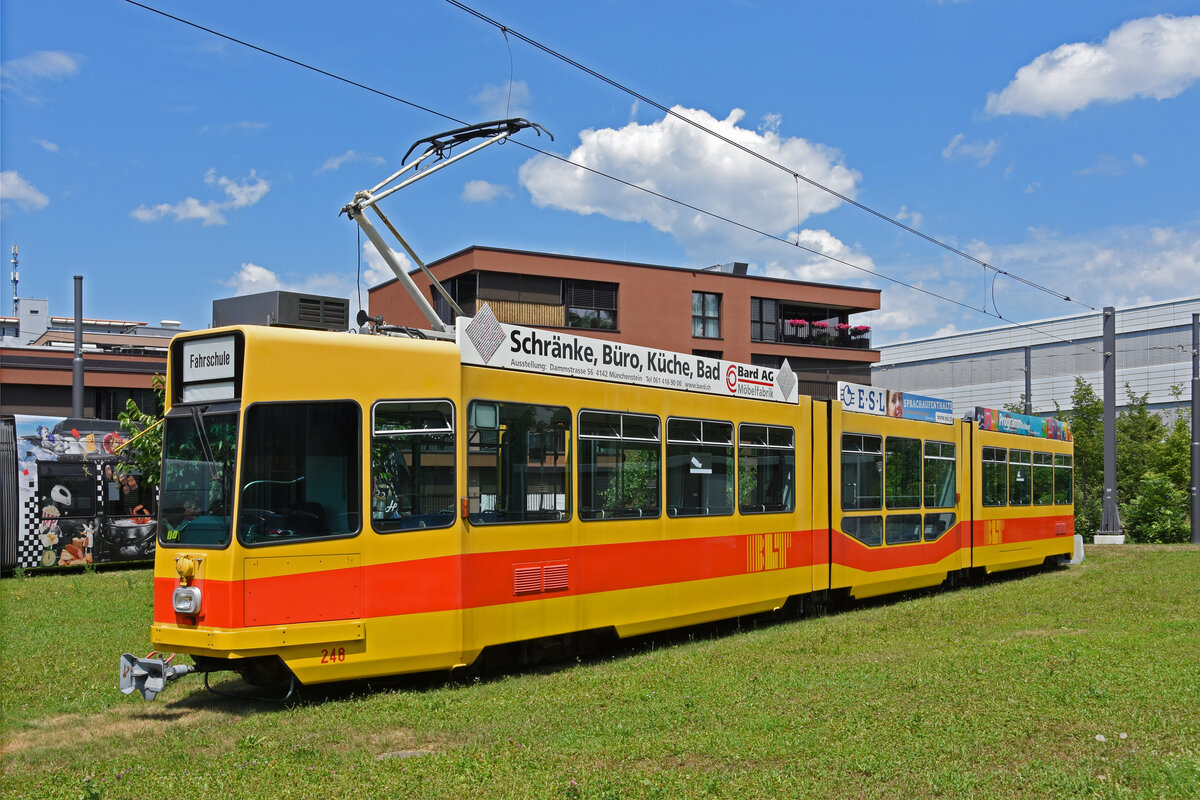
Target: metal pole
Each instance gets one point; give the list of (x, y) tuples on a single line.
[(1110, 516), (1195, 428), (1028, 380), (77, 362)]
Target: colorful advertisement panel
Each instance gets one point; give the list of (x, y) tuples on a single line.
[(991, 419), (80, 502), (485, 341), (907, 405)]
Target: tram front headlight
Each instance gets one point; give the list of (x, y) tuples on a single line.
[(186, 600)]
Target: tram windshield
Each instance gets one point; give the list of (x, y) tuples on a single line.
[(196, 492)]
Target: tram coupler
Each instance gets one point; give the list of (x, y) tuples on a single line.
[(149, 675)]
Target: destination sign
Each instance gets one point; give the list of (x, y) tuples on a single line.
[(485, 341)]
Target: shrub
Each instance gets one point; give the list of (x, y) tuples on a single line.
[(1158, 513)]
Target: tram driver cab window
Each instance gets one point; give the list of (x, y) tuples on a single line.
[(300, 475)]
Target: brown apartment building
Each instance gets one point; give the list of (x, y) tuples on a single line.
[(719, 312)]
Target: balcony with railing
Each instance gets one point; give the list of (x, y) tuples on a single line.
[(780, 322), (822, 333)]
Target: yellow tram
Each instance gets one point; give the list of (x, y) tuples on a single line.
[(341, 506)]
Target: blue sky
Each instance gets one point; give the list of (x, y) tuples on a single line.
[(169, 167)]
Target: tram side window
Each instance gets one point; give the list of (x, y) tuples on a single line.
[(902, 473), (301, 474), (936, 525), (862, 472), (995, 476), (1020, 483), (1062, 480), (1043, 479), (517, 462), (868, 530), (903, 528), (412, 465), (619, 459), (940, 480), (699, 467), (766, 469)]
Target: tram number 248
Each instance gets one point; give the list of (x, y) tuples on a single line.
[(332, 655)]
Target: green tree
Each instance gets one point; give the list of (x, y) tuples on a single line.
[(146, 453), (1087, 431), (1140, 434)]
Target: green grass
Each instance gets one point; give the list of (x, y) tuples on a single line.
[(1002, 690)]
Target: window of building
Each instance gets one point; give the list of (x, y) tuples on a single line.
[(995, 476), (699, 467), (520, 288), (765, 360), (862, 472), (1043, 479), (619, 457), (591, 304), (766, 468), (412, 465), (1020, 483), (764, 319), (707, 353), (706, 315), (1062, 479), (940, 486), (902, 472), (517, 462)]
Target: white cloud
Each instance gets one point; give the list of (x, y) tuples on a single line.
[(497, 102), (1107, 165), (980, 152), (675, 159), (239, 193), (349, 157), (44, 65), (812, 260), (378, 271), (914, 218), (1154, 57), (1139, 159), (15, 189), (483, 192), (47, 145)]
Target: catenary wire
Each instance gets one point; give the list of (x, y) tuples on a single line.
[(621, 181), (797, 175)]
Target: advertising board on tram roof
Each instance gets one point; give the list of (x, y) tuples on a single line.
[(485, 341)]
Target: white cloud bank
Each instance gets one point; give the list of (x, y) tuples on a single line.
[(1154, 57), (20, 74), (15, 189), (1118, 266), (980, 152), (253, 278), (349, 157), (239, 193), (483, 192), (675, 159)]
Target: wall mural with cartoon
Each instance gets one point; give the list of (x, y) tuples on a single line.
[(80, 501)]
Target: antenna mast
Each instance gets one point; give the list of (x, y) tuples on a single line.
[(16, 276)]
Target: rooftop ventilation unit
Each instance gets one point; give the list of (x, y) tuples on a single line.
[(287, 309)]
